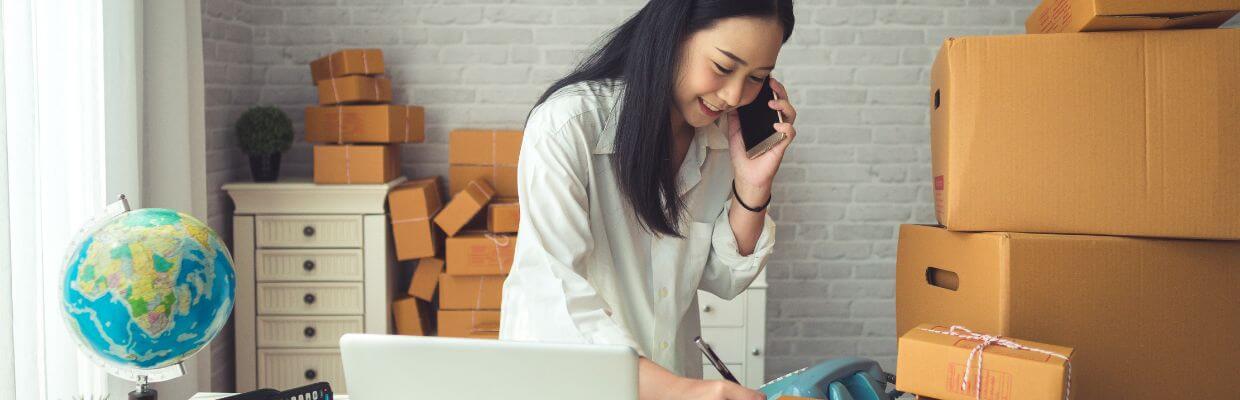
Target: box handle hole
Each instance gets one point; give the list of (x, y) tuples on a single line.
[(936, 98), (942, 278)]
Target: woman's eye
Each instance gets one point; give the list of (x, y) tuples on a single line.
[(756, 79), (722, 69)]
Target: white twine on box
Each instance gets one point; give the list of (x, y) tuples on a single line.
[(417, 219), (499, 265), (348, 175), (407, 124), (992, 340), (331, 77)]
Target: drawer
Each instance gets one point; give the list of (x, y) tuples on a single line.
[(315, 332), (709, 373), (728, 343), (716, 312), (308, 265), (287, 369), (308, 231), (310, 298)]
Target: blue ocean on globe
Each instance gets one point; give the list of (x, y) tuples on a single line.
[(148, 288)]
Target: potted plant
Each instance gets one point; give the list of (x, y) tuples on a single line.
[(264, 132)]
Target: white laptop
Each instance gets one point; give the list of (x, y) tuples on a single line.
[(390, 367)]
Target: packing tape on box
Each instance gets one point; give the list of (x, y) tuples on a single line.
[(978, 351)]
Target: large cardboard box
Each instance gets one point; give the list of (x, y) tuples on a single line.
[(352, 164), (484, 147), (480, 254), (940, 362), (503, 216), (464, 206), (471, 292), (1136, 310), (1109, 133), (347, 62), (502, 178), (426, 278), (1057, 16), (411, 316), (411, 206), (380, 123), (354, 89), (469, 324)]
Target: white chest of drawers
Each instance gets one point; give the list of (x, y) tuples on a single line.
[(736, 330), (313, 263)]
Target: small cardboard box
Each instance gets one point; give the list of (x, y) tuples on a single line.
[(502, 178), (412, 205), (1028, 136), (470, 292), (380, 123), (355, 89), (480, 254), (347, 62), (503, 216), (411, 316), (935, 361), (426, 278), (484, 147), (1060, 16), (1123, 303), (353, 164), (464, 206), (469, 324)]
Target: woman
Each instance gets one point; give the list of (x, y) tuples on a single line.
[(626, 182)]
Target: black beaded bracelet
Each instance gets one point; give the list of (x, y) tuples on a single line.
[(747, 207)]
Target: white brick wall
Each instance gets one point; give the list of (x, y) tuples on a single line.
[(857, 70)]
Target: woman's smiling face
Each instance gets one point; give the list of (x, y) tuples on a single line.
[(723, 67)]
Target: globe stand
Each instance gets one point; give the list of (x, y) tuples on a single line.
[(143, 392)]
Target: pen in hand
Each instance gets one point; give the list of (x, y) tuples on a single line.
[(714, 360)]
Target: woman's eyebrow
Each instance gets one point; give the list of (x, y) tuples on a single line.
[(739, 60)]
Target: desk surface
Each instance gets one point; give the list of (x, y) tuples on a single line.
[(213, 396)]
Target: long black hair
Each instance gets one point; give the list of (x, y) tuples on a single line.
[(644, 52)]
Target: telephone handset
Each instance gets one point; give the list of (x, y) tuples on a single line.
[(846, 378)]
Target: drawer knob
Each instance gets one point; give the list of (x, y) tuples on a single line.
[(707, 309), (311, 374), (309, 298), (756, 351), (309, 331), (308, 265), (308, 231)]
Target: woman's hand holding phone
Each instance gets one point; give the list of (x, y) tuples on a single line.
[(754, 176)]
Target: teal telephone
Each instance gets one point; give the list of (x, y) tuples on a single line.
[(847, 378)]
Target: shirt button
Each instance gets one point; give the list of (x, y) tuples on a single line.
[(663, 345), (662, 292)]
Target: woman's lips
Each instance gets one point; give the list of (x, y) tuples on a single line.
[(706, 110)]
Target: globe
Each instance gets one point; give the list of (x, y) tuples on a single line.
[(146, 289)]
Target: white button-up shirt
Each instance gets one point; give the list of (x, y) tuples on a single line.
[(585, 271)]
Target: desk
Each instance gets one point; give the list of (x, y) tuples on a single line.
[(213, 396)]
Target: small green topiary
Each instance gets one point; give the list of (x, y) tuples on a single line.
[(264, 130)]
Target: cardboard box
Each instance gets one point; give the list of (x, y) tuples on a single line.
[(938, 361), (502, 178), (347, 62), (380, 123), (411, 206), (354, 89), (411, 316), (480, 254), (1058, 16), (464, 206), (503, 216), (469, 324), (470, 292), (353, 164), (1136, 310), (426, 278), (484, 147), (1027, 135)]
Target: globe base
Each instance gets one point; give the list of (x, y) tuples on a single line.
[(144, 393)]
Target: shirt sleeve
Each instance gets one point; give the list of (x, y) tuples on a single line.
[(727, 272), (547, 297)]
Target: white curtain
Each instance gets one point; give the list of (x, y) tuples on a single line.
[(53, 173)]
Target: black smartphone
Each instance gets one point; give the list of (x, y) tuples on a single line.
[(757, 119)]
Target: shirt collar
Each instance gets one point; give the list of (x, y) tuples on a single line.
[(715, 135)]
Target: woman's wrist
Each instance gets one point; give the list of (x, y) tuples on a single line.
[(752, 196)]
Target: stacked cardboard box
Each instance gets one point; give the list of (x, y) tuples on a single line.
[(481, 243), (1070, 170), (411, 206), (354, 127)]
